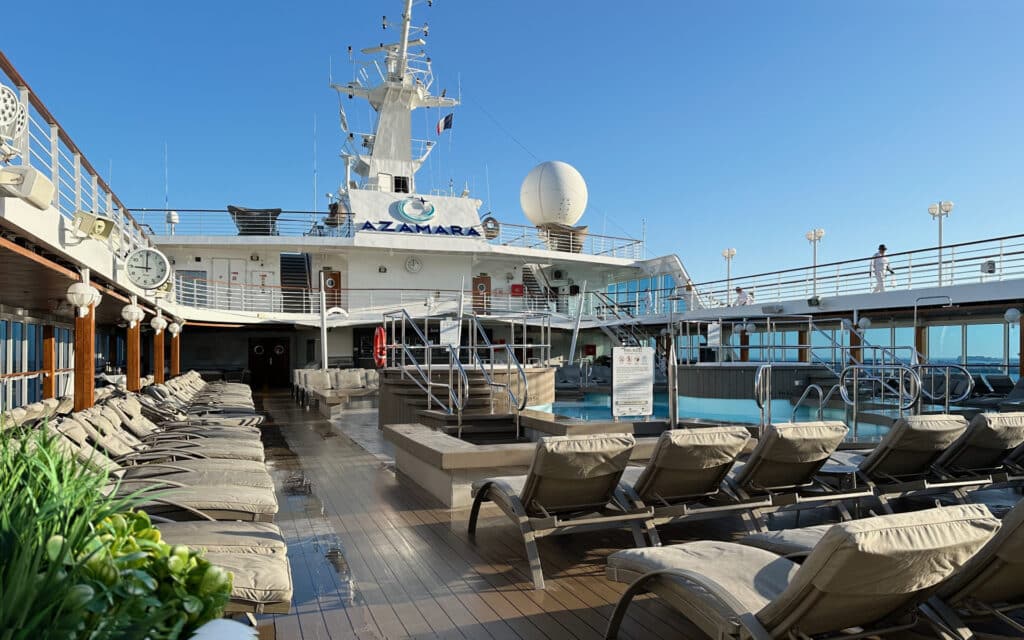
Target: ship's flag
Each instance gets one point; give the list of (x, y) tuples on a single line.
[(445, 123)]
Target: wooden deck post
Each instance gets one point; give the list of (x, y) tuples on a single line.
[(804, 337), (49, 362), (85, 359), (744, 346), (158, 357), (921, 341), (175, 354), (133, 349)]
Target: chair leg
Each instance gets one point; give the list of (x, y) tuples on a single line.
[(474, 513), (530, 540), (652, 533)]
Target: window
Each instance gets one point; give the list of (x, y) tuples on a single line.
[(985, 348), (945, 344), (401, 184)]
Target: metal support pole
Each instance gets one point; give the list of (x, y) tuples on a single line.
[(323, 324), (673, 382)]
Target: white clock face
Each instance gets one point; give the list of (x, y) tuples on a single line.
[(147, 268), (413, 265)]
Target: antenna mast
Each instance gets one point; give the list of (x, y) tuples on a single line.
[(403, 45)]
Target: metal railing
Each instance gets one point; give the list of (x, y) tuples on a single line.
[(570, 241), (763, 396), (478, 340), (907, 389), (401, 355), (928, 389), (78, 186), (980, 261), (803, 396)]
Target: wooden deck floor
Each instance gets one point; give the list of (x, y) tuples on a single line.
[(372, 557)]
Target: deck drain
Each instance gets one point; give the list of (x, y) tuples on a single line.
[(298, 483)]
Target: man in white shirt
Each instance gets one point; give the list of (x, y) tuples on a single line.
[(743, 298), (879, 268)]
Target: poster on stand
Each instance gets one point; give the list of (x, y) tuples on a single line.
[(632, 381)]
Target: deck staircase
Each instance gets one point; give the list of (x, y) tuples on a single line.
[(621, 325), (295, 282), (531, 284)]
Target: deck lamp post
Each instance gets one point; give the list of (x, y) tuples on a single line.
[(814, 236), (133, 313), (940, 210), (81, 295), (158, 323), (728, 254)]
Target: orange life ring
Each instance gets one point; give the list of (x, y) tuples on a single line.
[(380, 348)]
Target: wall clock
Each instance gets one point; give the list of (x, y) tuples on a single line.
[(147, 268)]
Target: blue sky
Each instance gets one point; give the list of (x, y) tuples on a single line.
[(739, 124)]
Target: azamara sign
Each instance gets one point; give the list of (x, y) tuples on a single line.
[(391, 226)]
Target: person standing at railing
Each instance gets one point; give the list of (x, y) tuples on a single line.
[(879, 268), (744, 297)]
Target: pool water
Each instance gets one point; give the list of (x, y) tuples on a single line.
[(598, 407)]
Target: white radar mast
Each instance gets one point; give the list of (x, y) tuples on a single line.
[(388, 158)]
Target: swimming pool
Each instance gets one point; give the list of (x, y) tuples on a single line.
[(597, 406)]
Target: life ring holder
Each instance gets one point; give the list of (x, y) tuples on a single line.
[(380, 348), (491, 227)]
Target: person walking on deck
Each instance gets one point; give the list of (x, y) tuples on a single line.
[(879, 268)]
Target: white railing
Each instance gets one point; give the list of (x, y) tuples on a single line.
[(514, 235), (77, 185), (981, 261)]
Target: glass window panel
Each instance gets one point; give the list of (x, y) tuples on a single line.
[(985, 347), (17, 340), (945, 344)]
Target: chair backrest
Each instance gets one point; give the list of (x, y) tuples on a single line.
[(318, 380), (1000, 383), (912, 445), (689, 463), (866, 570), (372, 378), (980, 386), (575, 473), (993, 574), (1017, 392), (788, 455), (989, 439)]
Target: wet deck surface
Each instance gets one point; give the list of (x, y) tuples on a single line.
[(373, 557)]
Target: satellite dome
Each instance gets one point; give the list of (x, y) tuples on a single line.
[(553, 193)]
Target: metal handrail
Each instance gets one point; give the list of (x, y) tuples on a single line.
[(946, 368), (763, 395), (913, 394), (510, 359), (426, 379), (803, 396)]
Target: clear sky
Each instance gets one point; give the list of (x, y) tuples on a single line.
[(723, 124)]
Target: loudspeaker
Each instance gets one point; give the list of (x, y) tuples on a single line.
[(92, 225), (28, 184), (813, 302)]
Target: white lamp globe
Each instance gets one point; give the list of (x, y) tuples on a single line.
[(1012, 316), (133, 314), (553, 193), (174, 328), (864, 324), (158, 323), (81, 295)]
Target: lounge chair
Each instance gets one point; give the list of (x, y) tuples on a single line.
[(783, 468), (989, 440), (988, 586), (868, 575), (1004, 400), (901, 463), (686, 469), (1000, 383), (567, 378), (569, 488), (255, 552)]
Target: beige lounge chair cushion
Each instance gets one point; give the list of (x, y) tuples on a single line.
[(912, 445), (787, 542), (259, 579), (687, 463), (574, 473), (218, 477), (225, 537), (864, 570), (788, 455), (993, 575), (989, 438), (750, 578), (256, 501)]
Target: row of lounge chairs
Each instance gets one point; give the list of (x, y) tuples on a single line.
[(193, 452), (584, 482)]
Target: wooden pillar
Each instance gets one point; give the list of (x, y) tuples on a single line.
[(49, 362), (133, 349), (175, 355), (744, 347), (158, 357), (85, 359), (804, 337), (921, 342), (856, 354)]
